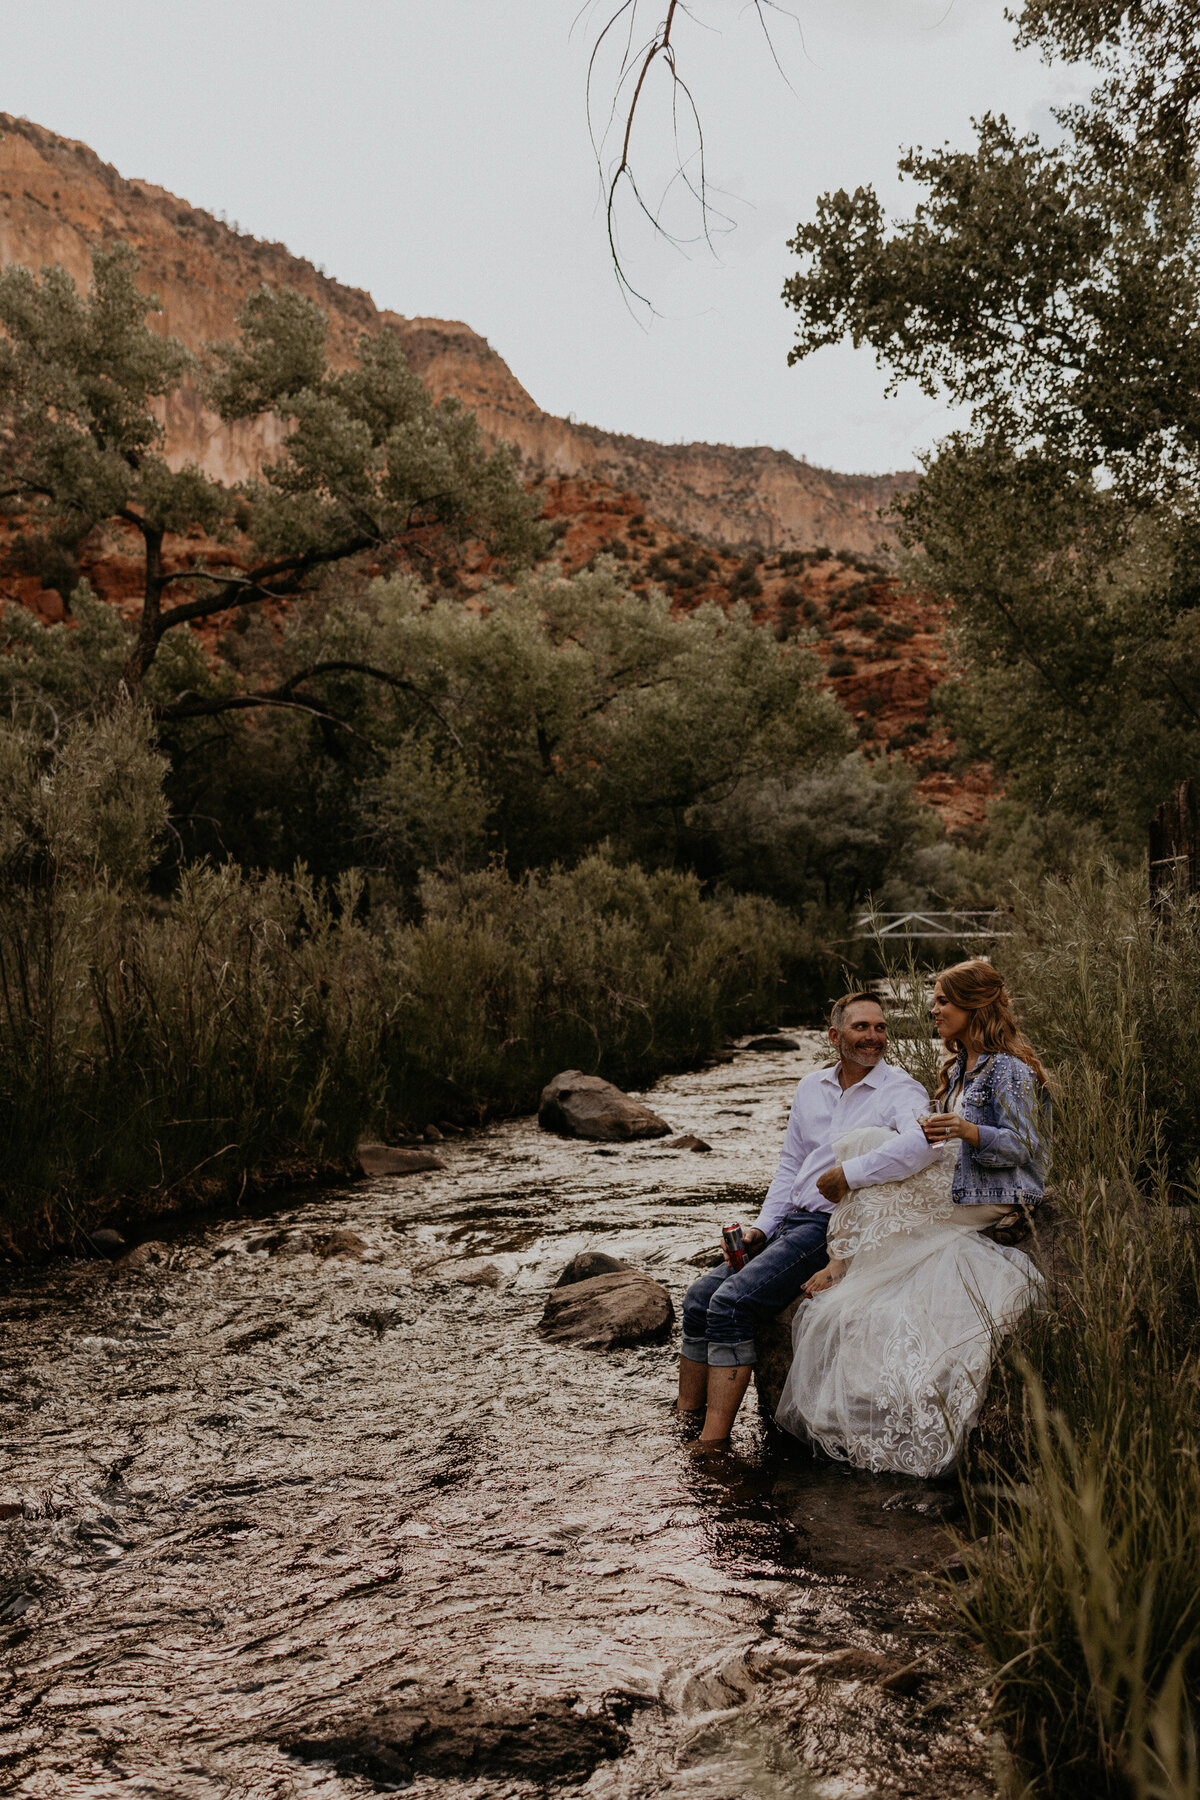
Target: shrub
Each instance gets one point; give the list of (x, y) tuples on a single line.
[(839, 666)]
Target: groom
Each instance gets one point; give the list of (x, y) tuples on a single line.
[(786, 1244)]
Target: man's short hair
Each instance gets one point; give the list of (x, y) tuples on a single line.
[(840, 1007)]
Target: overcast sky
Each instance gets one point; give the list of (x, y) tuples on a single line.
[(436, 152)]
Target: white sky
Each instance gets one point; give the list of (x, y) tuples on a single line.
[(436, 153)]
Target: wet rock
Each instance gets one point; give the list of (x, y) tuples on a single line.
[(389, 1159), (340, 1243), (589, 1263), (475, 1273), (774, 1344), (775, 1041), (689, 1141), (448, 1128), (584, 1106), (146, 1256), (432, 1135), (106, 1242), (706, 1259), (453, 1733), (609, 1312)]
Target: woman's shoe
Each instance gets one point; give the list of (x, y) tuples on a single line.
[(1011, 1228)]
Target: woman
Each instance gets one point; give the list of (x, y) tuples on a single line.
[(892, 1355)]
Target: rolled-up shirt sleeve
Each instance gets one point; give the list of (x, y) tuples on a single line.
[(908, 1152)]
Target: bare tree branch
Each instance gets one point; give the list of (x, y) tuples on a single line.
[(633, 71), (185, 706)]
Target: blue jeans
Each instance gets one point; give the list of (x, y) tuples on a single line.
[(723, 1309)]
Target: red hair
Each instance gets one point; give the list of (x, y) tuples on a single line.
[(980, 991)]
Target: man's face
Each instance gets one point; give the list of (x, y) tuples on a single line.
[(863, 1036)]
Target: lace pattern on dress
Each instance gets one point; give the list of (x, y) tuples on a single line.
[(897, 1207)]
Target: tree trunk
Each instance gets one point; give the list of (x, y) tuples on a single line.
[(149, 631), (1175, 844)]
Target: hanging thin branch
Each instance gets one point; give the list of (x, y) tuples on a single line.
[(637, 61)]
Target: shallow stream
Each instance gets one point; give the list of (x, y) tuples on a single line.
[(251, 1490)]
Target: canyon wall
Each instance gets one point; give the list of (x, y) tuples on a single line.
[(58, 199)]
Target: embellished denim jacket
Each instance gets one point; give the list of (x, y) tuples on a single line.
[(1012, 1111)]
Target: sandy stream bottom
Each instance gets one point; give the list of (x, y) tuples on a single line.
[(261, 1491)]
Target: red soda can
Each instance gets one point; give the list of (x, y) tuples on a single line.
[(735, 1252)]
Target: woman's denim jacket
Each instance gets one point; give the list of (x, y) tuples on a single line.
[(1005, 1099)]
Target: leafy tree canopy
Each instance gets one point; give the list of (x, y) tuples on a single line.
[(1054, 289), (367, 457)]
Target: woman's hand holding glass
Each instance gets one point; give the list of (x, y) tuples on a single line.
[(940, 1127)]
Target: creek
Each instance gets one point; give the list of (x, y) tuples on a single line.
[(251, 1491)]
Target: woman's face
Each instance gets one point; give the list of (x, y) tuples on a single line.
[(949, 1021)]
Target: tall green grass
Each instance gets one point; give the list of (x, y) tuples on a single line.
[(154, 1051), (1085, 1484)]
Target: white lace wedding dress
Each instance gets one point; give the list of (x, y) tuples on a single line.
[(890, 1365)]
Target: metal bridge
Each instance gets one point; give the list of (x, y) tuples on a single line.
[(944, 927)]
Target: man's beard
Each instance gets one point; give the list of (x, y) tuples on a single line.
[(865, 1055)]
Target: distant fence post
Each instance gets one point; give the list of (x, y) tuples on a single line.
[(1175, 843)]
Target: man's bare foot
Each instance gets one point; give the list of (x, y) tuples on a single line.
[(703, 1446)]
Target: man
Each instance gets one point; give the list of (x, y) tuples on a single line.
[(786, 1244)]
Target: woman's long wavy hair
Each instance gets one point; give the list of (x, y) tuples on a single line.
[(979, 990)]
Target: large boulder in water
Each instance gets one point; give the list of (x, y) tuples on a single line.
[(588, 1263), (774, 1344), (451, 1734), (609, 1312), (584, 1106)]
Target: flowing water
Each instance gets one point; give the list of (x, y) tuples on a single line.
[(251, 1491)]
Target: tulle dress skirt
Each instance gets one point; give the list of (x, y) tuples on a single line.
[(890, 1365)]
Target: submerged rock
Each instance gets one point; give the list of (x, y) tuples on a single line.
[(776, 1041), (340, 1243), (689, 1141), (609, 1312), (589, 1263), (454, 1733), (106, 1242), (474, 1272), (390, 1159), (145, 1256), (584, 1106)]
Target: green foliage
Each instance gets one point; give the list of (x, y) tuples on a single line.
[(835, 837), (1055, 292), (163, 1051), (367, 457), (79, 379), (564, 711), (602, 967), (1086, 1590)]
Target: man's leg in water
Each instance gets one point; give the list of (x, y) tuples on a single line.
[(743, 1302), (693, 1354)]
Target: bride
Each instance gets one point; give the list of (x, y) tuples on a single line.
[(892, 1353)]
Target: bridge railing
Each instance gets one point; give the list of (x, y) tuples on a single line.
[(926, 926)]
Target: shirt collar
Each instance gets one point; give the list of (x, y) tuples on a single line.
[(872, 1078)]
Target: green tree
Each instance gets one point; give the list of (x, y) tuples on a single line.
[(367, 458), (557, 714), (1054, 290)]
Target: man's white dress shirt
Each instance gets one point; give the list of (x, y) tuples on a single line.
[(822, 1113)]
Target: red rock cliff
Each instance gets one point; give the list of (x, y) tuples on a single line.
[(57, 199)]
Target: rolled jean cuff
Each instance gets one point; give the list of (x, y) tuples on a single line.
[(695, 1349), (732, 1356)]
